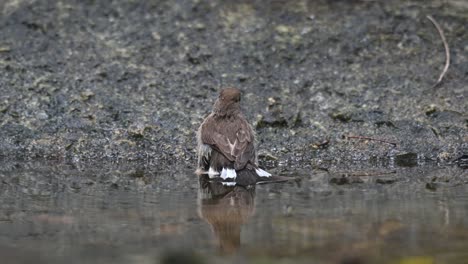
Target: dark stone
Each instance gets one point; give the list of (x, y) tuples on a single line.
[(345, 180), (181, 257), (272, 121), (137, 174), (432, 186), (353, 260), (462, 161), (341, 116), (385, 123), (406, 160), (385, 181)]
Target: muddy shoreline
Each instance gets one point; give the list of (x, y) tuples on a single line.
[(127, 80)]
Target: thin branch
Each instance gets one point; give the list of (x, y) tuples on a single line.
[(372, 139), (447, 50)]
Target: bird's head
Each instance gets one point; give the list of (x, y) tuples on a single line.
[(228, 102)]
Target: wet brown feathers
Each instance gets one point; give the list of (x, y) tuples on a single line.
[(227, 131)]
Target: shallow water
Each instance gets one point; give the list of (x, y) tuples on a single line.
[(134, 213)]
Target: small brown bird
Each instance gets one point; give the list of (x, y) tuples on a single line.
[(226, 148)]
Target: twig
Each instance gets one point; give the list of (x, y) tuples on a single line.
[(447, 50), (369, 138)]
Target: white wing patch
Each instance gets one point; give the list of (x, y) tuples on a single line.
[(232, 146), (262, 173)]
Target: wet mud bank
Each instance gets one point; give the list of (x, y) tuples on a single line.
[(132, 80)]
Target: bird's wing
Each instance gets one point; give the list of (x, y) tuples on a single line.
[(244, 149), (236, 146), (210, 135)]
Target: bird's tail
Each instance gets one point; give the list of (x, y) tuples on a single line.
[(251, 176), (246, 177), (262, 173)]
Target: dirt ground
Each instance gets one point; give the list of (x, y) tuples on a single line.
[(132, 80)]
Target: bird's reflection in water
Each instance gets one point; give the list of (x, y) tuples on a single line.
[(226, 209)]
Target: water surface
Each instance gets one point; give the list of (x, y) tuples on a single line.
[(152, 213)]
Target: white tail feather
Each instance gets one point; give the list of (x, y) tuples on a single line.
[(228, 173), (223, 174), (231, 173), (262, 173), (212, 173)]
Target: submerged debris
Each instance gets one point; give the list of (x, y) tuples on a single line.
[(407, 159), (462, 161)]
